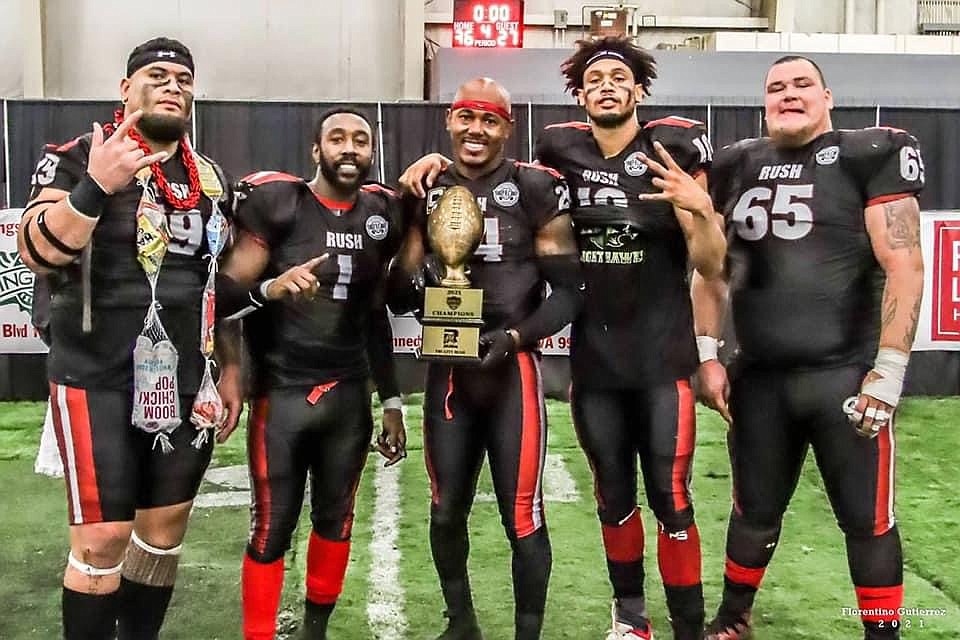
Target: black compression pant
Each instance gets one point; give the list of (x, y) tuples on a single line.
[(287, 437), (470, 412), (654, 423), (777, 416)]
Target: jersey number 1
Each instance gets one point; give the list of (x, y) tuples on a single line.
[(344, 273)]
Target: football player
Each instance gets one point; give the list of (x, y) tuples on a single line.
[(825, 281), (307, 275), (497, 408), (128, 500)]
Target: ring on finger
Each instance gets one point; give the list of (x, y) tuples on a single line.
[(850, 408)]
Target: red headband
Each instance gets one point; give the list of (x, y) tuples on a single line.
[(482, 105)]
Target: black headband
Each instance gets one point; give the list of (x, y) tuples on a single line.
[(603, 55), (159, 54)]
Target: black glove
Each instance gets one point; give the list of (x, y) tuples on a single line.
[(496, 347), (432, 270)]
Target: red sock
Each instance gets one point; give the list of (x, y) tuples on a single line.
[(326, 567), (624, 542), (261, 584), (747, 576), (880, 604), (678, 554)]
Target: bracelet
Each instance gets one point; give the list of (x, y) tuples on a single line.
[(707, 348), (87, 198), (394, 403)]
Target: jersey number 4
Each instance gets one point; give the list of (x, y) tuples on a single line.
[(490, 247), (784, 212)]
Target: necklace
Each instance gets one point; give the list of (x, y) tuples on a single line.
[(189, 163)]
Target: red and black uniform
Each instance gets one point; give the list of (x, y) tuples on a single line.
[(498, 411), (311, 360), (805, 293), (111, 467), (633, 348)]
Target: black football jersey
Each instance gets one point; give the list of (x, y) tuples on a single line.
[(805, 286), (103, 358), (516, 200), (636, 327), (305, 342)]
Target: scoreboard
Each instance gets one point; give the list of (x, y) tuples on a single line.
[(488, 23)]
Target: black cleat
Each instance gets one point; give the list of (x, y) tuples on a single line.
[(462, 627), (729, 626)]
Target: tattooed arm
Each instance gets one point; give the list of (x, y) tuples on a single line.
[(894, 229)]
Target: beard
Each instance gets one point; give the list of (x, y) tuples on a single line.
[(329, 171), (162, 128), (607, 120), (611, 120)]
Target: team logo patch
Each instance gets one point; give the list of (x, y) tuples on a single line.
[(506, 194), (828, 155), (633, 165), (377, 227)]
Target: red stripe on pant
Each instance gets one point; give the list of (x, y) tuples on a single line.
[(624, 542), (528, 503), (431, 473), (347, 527), (259, 472), (883, 510), (739, 574), (261, 584), (683, 454), (880, 604), (71, 422), (326, 567), (678, 555)]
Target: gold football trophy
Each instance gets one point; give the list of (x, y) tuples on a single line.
[(452, 312)]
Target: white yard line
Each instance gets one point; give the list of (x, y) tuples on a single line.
[(558, 484), (385, 599)]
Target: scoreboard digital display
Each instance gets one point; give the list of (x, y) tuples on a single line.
[(488, 23)]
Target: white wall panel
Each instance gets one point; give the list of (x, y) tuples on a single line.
[(273, 49)]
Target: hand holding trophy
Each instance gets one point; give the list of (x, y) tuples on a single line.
[(453, 311)]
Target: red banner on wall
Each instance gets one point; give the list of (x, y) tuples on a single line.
[(939, 325)]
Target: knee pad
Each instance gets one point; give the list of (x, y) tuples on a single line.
[(616, 517), (447, 516), (675, 521), (151, 565), (333, 529)]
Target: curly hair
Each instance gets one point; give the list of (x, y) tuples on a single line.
[(641, 63)]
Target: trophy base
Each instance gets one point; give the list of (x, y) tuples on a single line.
[(450, 343), (451, 325)]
